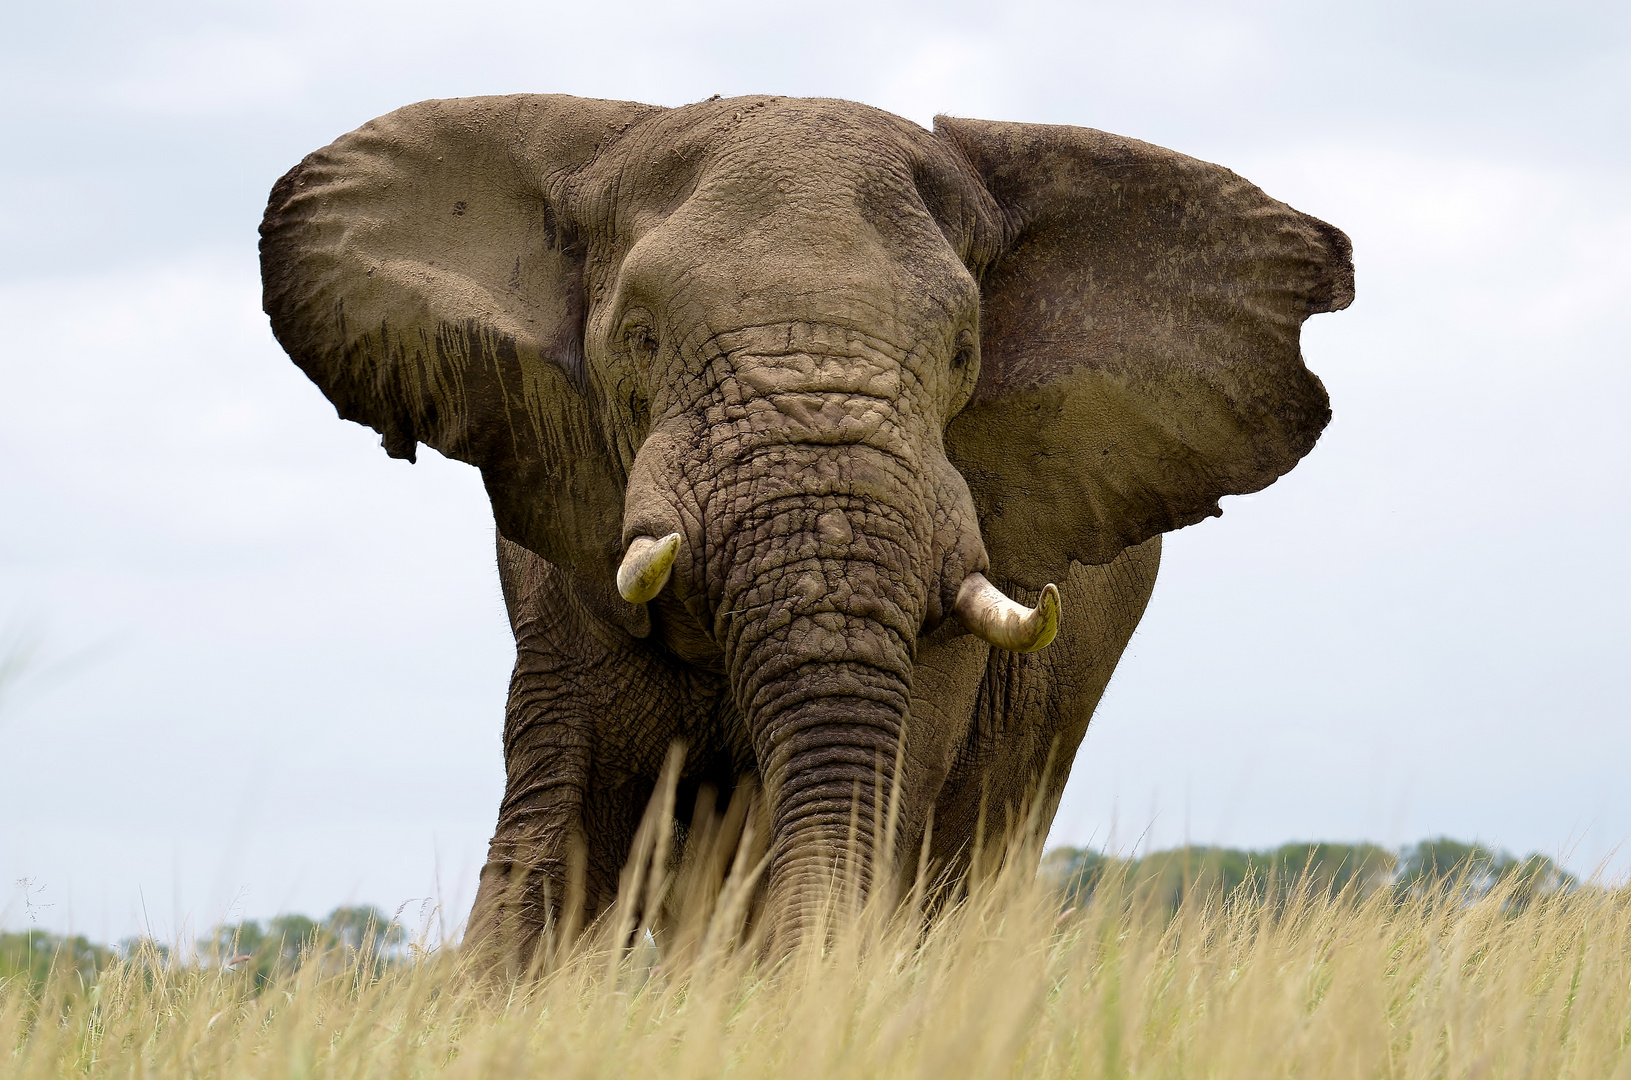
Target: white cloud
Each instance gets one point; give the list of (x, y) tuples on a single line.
[(181, 504), (941, 76), (205, 74), (1497, 246)]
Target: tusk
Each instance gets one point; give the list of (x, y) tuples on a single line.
[(646, 567), (1007, 625)]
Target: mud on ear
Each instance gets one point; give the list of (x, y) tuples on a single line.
[(1139, 343), (421, 271)]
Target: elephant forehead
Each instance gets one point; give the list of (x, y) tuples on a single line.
[(794, 203), (773, 139), (812, 263)]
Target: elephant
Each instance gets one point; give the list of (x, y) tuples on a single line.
[(834, 450)]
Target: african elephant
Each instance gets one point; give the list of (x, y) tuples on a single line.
[(779, 402)]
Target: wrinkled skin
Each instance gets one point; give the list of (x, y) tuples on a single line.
[(849, 362)]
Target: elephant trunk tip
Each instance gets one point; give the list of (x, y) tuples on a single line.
[(647, 565), (990, 615)]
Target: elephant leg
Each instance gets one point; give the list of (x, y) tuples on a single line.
[(591, 715), (1033, 710), (539, 854)]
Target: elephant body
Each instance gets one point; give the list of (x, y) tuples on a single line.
[(593, 711), (762, 390)]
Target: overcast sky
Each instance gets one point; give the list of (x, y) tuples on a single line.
[(263, 665)]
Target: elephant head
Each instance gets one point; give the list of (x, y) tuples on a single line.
[(778, 383)]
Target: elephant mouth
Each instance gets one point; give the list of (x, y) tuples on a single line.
[(982, 608), (843, 503)]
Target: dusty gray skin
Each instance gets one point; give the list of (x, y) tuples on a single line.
[(848, 363)]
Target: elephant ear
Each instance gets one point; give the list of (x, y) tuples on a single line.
[(421, 271), (1139, 343)]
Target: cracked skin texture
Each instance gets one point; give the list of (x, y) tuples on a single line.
[(850, 361)]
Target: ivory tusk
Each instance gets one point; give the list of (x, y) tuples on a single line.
[(1007, 625), (646, 567)]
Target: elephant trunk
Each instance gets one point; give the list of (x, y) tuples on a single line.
[(825, 692), (831, 762), (823, 592), (813, 532)]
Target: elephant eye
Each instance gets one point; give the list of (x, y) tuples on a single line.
[(963, 357), (642, 343)]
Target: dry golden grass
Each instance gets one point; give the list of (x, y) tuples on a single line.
[(998, 984)]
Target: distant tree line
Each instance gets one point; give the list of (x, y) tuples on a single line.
[(286, 941), (254, 948), (1359, 870), (31, 955), (1163, 878)]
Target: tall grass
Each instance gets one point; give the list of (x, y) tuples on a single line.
[(996, 981)]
